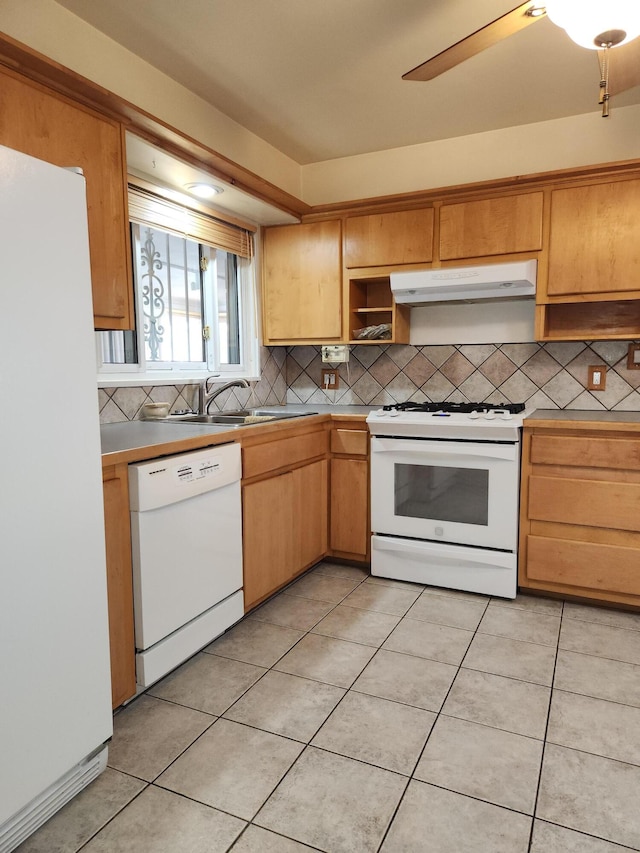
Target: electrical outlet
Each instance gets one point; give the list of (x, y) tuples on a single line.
[(597, 377), (330, 379)]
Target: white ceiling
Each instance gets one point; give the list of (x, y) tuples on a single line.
[(321, 79)]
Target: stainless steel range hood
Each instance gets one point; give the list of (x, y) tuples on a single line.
[(463, 284)]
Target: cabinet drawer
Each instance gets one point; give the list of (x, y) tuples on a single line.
[(590, 503), (259, 459), (590, 565), (351, 441), (585, 452)]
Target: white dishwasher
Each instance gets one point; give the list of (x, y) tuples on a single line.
[(186, 532)]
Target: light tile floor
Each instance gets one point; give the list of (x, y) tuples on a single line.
[(351, 714)]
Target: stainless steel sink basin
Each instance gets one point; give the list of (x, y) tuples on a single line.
[(239, 418)]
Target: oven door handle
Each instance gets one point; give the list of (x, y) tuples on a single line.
[(462, 450)]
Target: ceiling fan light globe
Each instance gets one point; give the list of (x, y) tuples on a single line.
[(586, 21)]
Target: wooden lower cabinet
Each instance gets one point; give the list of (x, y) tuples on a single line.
[(268, 552), (349, 529), (580, 510), (119, 582), (349, 508), (284, 512), (310, 512)]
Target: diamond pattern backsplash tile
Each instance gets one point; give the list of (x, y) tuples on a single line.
[(125, 404), (542, 375)]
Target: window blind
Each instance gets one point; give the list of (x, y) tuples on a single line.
[(149, 209)]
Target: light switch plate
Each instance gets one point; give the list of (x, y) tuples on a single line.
[(633, 357)]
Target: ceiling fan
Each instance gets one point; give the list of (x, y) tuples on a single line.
[(596, 24)]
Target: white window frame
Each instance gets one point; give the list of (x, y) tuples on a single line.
[(116, 375)]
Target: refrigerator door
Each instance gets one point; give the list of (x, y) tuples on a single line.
[(54, 666)]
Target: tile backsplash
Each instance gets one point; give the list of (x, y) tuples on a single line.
[(125, 404), (542, 375)]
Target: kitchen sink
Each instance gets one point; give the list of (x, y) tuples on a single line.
[(238, 418)]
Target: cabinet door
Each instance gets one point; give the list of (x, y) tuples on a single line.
[(119, 583), (496, 226), (268, 537), (350, 506), (595, 240), (302, 283), (44, 125), (377, 240), (310, 513)]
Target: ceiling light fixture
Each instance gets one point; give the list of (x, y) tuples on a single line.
[(203, 190), (597, 24)]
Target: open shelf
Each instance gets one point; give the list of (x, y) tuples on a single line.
[(371, 304), (580, 321)]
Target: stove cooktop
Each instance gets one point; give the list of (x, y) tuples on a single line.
[(461, 408), (455, 421)]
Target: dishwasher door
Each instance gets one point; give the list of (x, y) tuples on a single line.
[(186, 530)]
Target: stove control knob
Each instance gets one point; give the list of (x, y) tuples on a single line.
[(474, 415), (490, 415), (506, 416)]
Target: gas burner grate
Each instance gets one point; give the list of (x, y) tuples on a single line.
[(461, 408)]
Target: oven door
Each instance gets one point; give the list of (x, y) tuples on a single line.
[(461, 492)]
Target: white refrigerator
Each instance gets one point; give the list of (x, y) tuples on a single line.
[(55, 697)]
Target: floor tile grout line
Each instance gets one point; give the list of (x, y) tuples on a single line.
[(606, 624), (546, 732), (439, 712), (589, 835), (596, 698), (279, 834), (114, 816)]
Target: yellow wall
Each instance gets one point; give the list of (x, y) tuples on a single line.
[(562, 143), (558, 144), (50, 29)]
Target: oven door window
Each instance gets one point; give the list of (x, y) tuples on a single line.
[(440, 493)]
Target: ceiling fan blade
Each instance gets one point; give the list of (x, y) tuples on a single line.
[(624, 67), (507, 25)]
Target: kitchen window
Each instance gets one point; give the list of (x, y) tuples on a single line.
[(194, 293)]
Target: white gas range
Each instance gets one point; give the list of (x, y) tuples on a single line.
[(444, 494)]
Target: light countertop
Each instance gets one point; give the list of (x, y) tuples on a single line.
[(584, 418), (130, 441)]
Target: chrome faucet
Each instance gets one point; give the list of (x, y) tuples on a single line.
[(205, 397)]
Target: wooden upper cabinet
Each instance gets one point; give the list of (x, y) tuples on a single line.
[(384, 239), (495, 226), (302, 283), (595, 240), (45, 125)]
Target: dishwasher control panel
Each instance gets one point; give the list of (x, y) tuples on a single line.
[(206, 468), (175, 478)]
